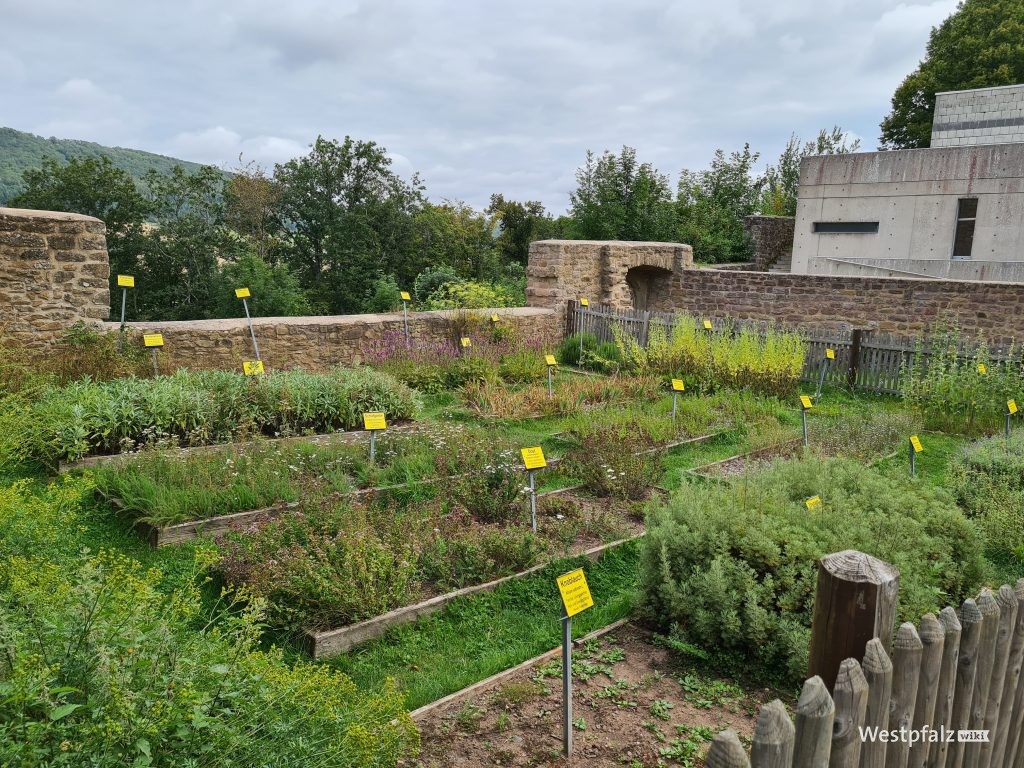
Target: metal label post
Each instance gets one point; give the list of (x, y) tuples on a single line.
[(405, 322), (803, 423), (156, 368), (252, 332), (913, 459), (567, 685), (675, 404), (373, 445), (821, 378), (551, 388), (533, 499)]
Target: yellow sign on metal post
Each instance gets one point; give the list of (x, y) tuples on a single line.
[(584, 302), (813, 503), (374, 420), (575, 592), (405, 296), (805, 402), (805, 406), (153, 339), (466, 342), (252, 368), (1011, 406), (533, 458), (708, 326), (494, 318), (550, 360), (678, 385), (242, 293), (830, 354), (915, 448), (916, 442), (125, 281), (982, 369)]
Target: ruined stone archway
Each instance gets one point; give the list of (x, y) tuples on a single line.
[(648, 285)]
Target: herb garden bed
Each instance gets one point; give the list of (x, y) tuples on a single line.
[(740, 463)]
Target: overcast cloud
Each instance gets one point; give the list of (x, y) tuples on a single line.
[(478, 97)]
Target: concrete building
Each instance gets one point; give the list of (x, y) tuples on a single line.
[(954, 211)]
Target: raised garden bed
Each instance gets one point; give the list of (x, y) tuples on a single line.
[(737, 465), (634, 704)]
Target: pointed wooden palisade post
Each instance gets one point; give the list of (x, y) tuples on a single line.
[(773, 738)]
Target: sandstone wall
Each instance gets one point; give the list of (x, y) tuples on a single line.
[(772, 237), (902, 307), (317, 343), (53, 273)]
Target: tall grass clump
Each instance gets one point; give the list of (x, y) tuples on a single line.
[(957, 386), (987, 479), (732, 567), (767, 362), (205, 407)]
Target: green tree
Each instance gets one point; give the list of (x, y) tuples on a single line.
[(251, 199), (94, 187), (619, 198), (520, 224), (184, 245), (275, 290), (712, 204), (348, 218), (781, 181), (451, 234), (980, 45)]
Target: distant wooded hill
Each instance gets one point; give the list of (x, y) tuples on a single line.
[(20, 151)]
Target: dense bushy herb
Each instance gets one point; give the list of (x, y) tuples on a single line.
[(614, 460), (987, 479), (572, 395), (956, 385), (864, 435), (100, 666), (732, 566), (768, 362), (204, 407)]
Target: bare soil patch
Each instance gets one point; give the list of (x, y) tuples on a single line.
[(635, 704)]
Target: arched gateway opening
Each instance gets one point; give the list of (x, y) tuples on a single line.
[(648, 285)]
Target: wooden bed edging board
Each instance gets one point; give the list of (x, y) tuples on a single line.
[(331, 642), (469, 690), (701, 471)]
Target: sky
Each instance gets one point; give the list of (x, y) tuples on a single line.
[(477, 97)]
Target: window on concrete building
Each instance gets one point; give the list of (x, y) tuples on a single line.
[(963, 239), (846, 227)]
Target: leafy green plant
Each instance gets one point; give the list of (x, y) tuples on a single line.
[(732, 566), (987, 479), (617, 461), (568, 352)]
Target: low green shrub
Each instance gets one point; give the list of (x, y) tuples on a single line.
[(614, 460), (568, 352), (987, 479), (864, 435), (100, 665), (205, 407), (732, 567)]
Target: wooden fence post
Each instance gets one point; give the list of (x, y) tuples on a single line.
[(773, 738), (727, 752), (570, 317), (907, 650), (855, 601), (966, 671), (983, 680), (936, 755), (933, 637), (1013, 726), (854, 364), (851, 702), (815, 713), (1007, 602), (878, 672)]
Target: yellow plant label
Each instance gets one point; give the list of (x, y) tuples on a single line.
[(830, 354), (405, 296), (550, 360), (1011, 405), (916, 442), (494, 318), (708, 326), (584, 303), (242, 293), (125, 281), (374, 420), (805, 401), (153, 339), (466, 341), (254, 368), (533, 458), (982, 369), (575, 592), (813, 503), (678, 385)]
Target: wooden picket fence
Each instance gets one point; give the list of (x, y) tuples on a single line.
[(960, 670), (864, 360)]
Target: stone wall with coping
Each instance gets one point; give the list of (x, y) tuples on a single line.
[(318, 343), (54, 273)]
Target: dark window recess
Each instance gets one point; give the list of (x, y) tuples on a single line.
[(846, 227), (963, 238)]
